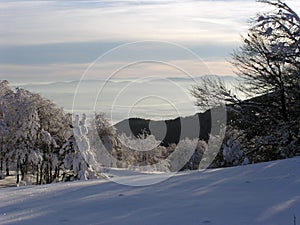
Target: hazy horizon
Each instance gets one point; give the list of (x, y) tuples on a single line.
[(121, 98)]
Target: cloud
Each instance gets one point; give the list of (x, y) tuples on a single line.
[(87, 52), (43, 39), (44, 22)]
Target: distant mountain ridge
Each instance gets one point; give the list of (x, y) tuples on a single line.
[(169, 131), (173, 130), (45, 83)]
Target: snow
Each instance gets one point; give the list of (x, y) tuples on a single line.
[(262, 194)]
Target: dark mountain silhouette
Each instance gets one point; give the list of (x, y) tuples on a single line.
[(198, 125), (169, 131)]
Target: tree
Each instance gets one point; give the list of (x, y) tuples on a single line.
[(76, 154), (24, 128), (268, 64), (3, 149), (268, 60), (32, 131), (6, 97), (268, 67), (210, 93)]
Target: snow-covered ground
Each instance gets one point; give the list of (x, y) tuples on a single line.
[(266, 194)]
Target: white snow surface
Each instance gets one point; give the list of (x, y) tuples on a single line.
[(265, 194)]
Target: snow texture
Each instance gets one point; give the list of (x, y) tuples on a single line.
[(260, 194)]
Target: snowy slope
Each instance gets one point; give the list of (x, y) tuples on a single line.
[(266, 194)]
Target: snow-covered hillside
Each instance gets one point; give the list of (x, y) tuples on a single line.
[(266, 194)]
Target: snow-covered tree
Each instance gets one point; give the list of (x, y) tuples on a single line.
[(32, 128), (6, 98), (25, 131), (76, 154), (269, 58), (182, 153), (268, 66), (232, 153), (108, 150), (106, 132), (46, 158), (3, 146), (143, 153)]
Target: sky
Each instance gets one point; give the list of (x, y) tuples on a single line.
[(59, 40)]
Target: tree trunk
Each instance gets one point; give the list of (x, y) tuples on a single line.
[(283, 105), (41, 172), (37, 174), (7, 167), (18, 170), (56, 172), (50, 172), (22, 169), (47, 173), (1, 165)]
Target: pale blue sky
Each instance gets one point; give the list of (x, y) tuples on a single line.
[(45, 40)]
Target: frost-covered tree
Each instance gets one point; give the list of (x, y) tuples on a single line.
[(6, 98), (267, 64), (182, 153), (143, 153), (106, 132), (25, 131), (269, 58), (3, 147), (76, 154), (46, 158), (105, 138), (268, 67), (232, 152), (32, 128)]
